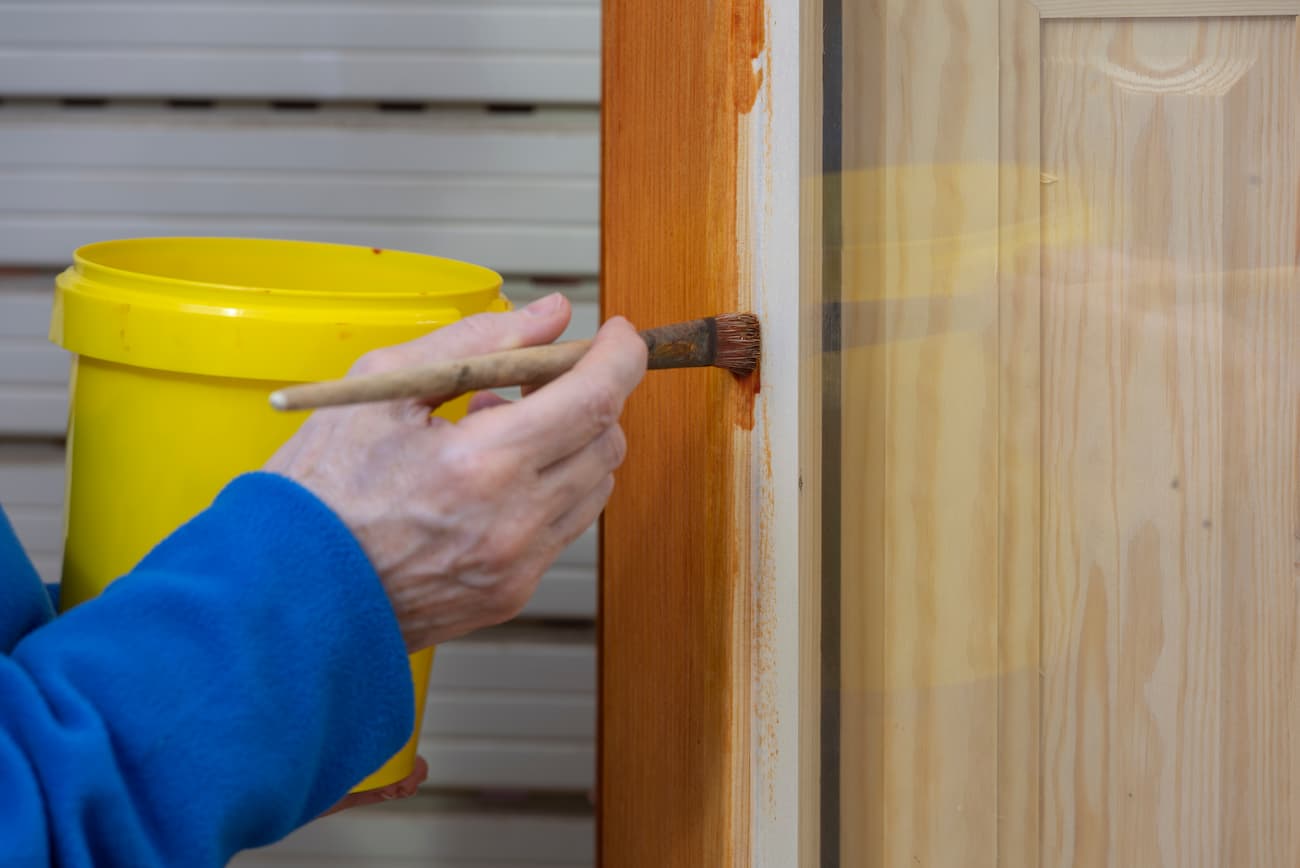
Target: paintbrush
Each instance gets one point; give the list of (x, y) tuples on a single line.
[(730, 341)]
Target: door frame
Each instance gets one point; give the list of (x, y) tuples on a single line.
[(710, 548)]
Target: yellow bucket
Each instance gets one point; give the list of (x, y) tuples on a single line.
[(177, 344)]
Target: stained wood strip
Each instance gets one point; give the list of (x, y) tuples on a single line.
[(674, 725)]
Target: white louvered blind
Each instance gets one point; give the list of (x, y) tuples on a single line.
[(514, 51), (441, 832), (463, 129), (517, 193), (33, 372)]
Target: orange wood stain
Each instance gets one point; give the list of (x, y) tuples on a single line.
[(674, 642), (747, 392)]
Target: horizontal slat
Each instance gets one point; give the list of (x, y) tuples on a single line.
[(543, 144), (318, 860), (32, 412), (503, 660), (33, 371), (420, 831), (31, 492), (33, 362), (275, 195), (488, 714), (33, 239), (39, 528), (277, 859), (26, 297), (565, 592), (510, 764), (31, 475), (517, 194), (490, 50), (487, 727)]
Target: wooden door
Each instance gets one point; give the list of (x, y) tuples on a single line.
[(1068, 613), (1037, 568)]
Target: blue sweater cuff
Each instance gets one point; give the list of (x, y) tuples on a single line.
[(238, 682), (307, 577)]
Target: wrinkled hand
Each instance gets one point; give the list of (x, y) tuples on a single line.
[(461, 519)]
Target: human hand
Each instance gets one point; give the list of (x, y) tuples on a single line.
[(461, 519)]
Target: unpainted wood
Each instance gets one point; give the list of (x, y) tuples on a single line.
[(1164, 8), (920, 434), (812, 297), (1019, 455), (1122, 377), (1168, 623), (1261, 473)]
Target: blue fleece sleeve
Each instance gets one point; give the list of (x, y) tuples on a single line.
[(234, 685)]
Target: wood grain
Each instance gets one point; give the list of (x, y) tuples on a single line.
[(861, 802), (1168, 617), (1164, 8), (920, 434), (1019, 456), (1260, 667), (674, 621), (1097, 665), (813, 359)]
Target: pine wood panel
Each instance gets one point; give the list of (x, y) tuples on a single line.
[(812, 385), (1163, 8), (1071, 381), (674, 752), (1019, 456), (1169, 427), (920, 434)]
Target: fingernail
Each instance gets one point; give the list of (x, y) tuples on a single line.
[(543, 306)]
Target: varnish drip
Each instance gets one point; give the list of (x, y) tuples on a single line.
[(749, 21), (746, 395)]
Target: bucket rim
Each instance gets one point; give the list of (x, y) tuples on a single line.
[(83, 262), (291, 324)]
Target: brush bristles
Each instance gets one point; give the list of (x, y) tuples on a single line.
[(740, 342)]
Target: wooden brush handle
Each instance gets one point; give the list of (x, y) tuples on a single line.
[(679, 345), (527, 366)]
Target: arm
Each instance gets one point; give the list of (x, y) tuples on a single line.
[(253, 667), (229, 689)]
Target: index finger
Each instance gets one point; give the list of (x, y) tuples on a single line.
[(565, 415)]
